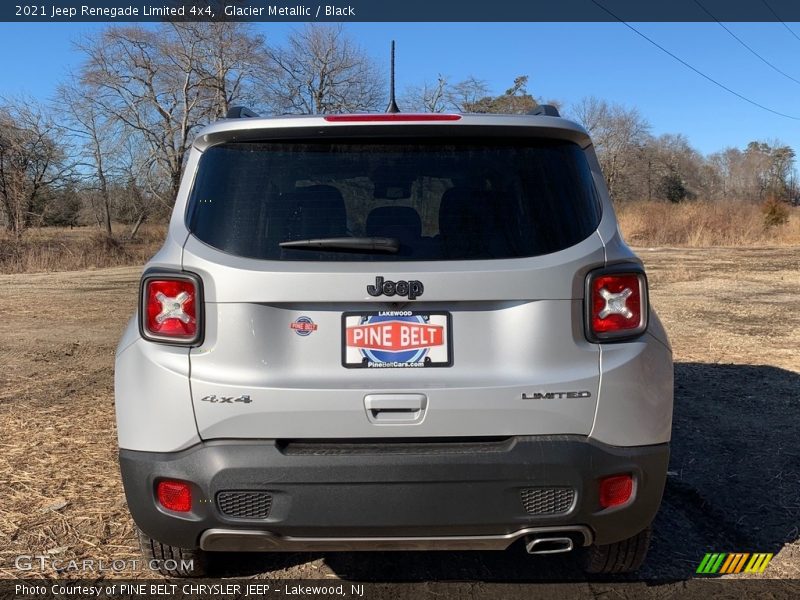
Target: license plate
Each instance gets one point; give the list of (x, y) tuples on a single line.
[(396, 339)]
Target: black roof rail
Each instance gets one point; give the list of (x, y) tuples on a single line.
[(240, 112), (545, 109)]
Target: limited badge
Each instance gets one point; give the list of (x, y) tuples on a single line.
[(303, 326)]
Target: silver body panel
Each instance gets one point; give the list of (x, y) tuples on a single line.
[(517, 327)]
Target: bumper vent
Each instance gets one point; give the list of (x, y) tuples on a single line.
[(547, 501), (244, 505)]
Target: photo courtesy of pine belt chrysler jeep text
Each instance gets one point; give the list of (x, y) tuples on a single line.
[(394, 331)]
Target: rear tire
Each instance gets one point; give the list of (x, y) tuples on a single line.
[(625, 556), (187, 562)]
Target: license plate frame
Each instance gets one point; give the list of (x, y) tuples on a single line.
[(426, 323)]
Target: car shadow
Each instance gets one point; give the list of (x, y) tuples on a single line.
[(734, 483), (733, 486)]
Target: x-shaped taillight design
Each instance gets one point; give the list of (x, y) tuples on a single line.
[(615, 303), (172, 308)]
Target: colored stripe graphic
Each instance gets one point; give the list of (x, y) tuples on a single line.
[(729, 560), (758, 563), (727, 564), (734, 562), (711, 563), (703, 563)]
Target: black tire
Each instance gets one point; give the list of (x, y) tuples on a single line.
[(187, 562), (625, 556)]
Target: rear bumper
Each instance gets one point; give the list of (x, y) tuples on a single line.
[(403, 495)]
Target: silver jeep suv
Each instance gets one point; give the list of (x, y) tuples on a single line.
[(394, 331)]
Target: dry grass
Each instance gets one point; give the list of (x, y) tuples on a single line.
[(58, 472), (704, 224), (65, 249)]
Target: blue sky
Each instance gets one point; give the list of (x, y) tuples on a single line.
[(565, 61)]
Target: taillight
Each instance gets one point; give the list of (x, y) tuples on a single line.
[(615, 490), (617, 305), (174, 495), (391, 117), (171, 308)]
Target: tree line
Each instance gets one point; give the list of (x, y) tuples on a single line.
[(640, 166), (113, 142)]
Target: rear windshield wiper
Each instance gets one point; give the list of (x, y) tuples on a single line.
[(346, 244)]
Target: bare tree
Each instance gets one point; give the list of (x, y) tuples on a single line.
[(428, 97), (619, 134), (465, 95), (591, 112), (96, 139), (676, 169), (322, 70), (32, 162), (470, 95), (162, 85), (762, 169), (141, 188), (232, 66), (149, 84)]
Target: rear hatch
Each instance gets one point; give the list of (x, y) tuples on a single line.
[(401, 283)]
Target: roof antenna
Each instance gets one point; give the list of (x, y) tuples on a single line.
[(392, 108)]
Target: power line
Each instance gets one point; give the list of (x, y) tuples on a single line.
[(738, 39), (688, 66), (789, 29)]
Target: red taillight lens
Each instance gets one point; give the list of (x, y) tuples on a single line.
[(615, 490), (170, 309), (174, 495), (617, 306), (391, 117)]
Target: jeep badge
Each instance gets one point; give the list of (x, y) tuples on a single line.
[(411, 288)]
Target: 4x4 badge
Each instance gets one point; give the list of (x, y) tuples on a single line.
[(214, 399), (411, 288)]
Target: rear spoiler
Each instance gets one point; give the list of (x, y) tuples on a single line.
[(248, 127)]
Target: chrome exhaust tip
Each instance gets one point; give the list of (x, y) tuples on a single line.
[(548, 545)]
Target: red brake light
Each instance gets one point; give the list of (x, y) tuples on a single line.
[(617, 305), (389, 117), (170, 308), (174, 495), (615, 490)]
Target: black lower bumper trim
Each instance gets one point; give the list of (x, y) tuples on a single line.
[(319, 496), (262, 541)]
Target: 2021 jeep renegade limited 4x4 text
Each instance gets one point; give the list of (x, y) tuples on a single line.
[(394, 331)]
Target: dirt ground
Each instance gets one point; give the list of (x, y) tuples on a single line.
[(733, 316)]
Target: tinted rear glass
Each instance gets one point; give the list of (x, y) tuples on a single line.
[(453, 200)]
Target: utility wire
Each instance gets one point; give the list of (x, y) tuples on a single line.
[(738, 39), (688, 66), (789, 29)]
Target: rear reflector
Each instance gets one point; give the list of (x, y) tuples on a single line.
[(617, 305), (170, 308), (615, 490), (174, 495), (390, 117)]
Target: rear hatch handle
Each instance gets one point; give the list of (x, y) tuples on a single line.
[(395, 409)]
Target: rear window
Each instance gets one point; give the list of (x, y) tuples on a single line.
[(437, 200)]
